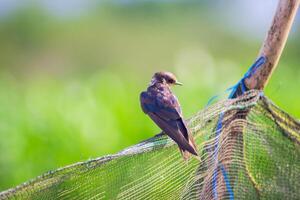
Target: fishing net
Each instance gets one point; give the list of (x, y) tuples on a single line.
[(249, 149)]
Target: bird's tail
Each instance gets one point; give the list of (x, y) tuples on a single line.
[(186, 154)]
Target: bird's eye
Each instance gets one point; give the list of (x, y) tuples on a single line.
[(172, 81)]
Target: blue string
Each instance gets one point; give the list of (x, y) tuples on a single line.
[(215, 174), (214, 183), (209, 102), (259, 62), (241, 83), (227, 182)]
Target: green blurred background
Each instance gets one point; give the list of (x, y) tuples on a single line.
[(71, 72)]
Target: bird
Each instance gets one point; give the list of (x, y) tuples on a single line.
[(162, 106)]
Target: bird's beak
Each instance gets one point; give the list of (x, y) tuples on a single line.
[(178, 83)]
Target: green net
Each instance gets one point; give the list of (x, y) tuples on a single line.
[(255, 154)]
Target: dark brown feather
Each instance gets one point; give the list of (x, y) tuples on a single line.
[(164, 109)]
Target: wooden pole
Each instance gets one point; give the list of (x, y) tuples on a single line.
[(274, 43)]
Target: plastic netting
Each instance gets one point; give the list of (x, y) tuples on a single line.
[(254, 154)]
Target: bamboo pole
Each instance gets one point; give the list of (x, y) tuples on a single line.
[(274, 43)]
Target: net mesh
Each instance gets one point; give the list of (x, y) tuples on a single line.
[(249, 149)]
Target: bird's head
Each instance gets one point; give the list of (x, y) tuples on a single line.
[(165, 78)]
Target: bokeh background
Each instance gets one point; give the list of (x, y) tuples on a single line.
[(71, 71)]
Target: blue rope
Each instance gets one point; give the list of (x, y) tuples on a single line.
[(241, 84), (216, 148), (214, 183), (209, 102), (227, 182), (215, 174), (259, 62)]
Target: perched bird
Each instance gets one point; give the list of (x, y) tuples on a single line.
[(163, 108)]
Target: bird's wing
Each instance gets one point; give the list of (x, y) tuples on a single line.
[(166, 106), (176, 130), (166, 113), (147, 102)]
